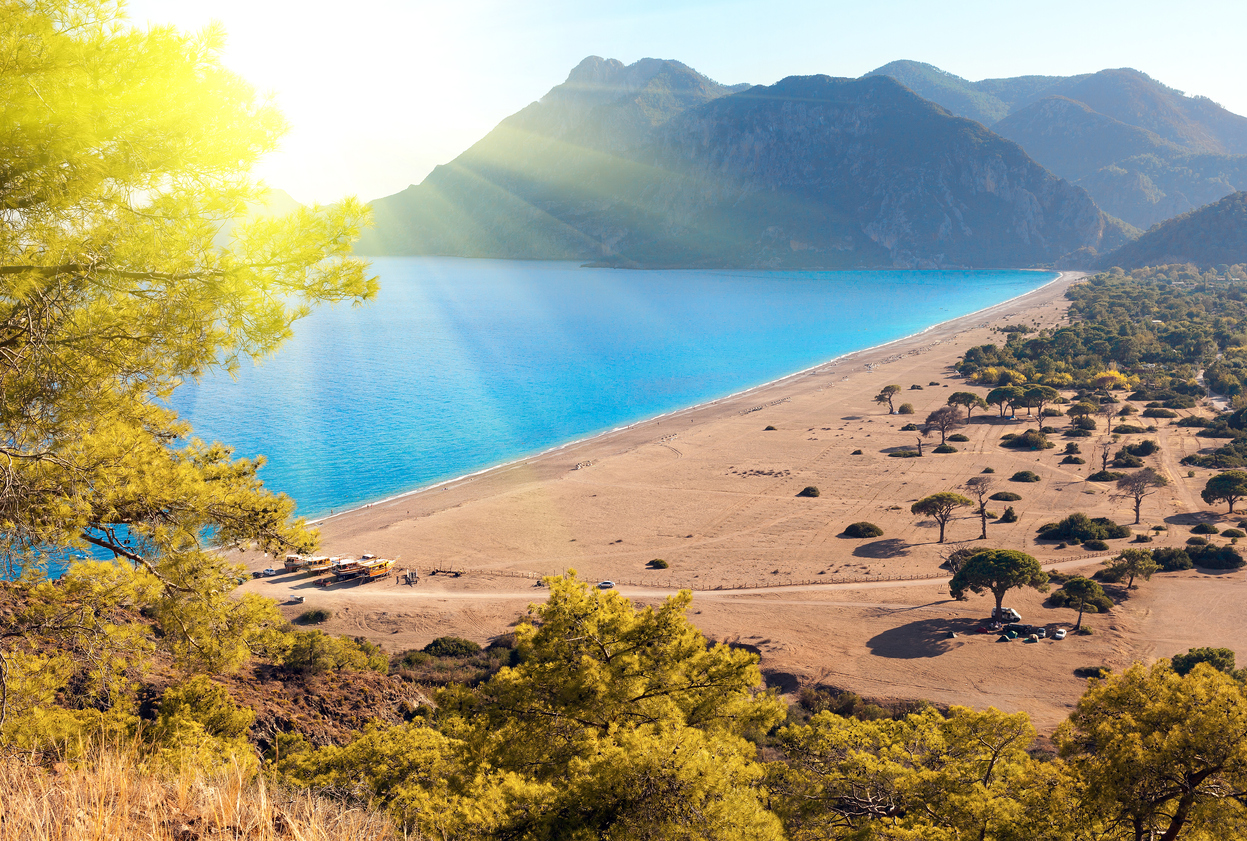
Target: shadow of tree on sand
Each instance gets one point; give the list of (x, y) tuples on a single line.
[(924, 638), (785, 682), (1196, 517), (891, 547)]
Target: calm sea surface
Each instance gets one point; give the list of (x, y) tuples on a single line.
[(462, 364)]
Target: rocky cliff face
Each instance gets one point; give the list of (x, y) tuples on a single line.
[(653, 164)]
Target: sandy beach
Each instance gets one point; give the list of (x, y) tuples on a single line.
[(713, 492)]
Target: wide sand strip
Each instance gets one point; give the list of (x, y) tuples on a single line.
[(713, 492)]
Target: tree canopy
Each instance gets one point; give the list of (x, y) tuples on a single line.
[(124, 153), (940, 507), (1221, 659), (980, 487), (968, 400), (1132, 563), (1151, 330), (614, 723), (1138, 486), (1005, 397), (998, 571), (1161, 755), (1039, 396), (942, 420), (886, 394), (1228, 487), (1083, 594)]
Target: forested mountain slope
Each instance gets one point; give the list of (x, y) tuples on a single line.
[(1213, 235)]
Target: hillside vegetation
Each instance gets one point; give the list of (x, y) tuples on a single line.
[(1151, 331), (617, 722), (1213, 235)]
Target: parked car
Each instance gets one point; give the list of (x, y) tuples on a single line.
[(270, 572), (606, 585), (1059, 634), (1040, 632)]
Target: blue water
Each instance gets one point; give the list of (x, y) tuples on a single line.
[(462, 364)]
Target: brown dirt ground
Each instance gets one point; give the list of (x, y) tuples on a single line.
[(714, 494)]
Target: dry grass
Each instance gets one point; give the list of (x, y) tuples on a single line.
[(109, 797)]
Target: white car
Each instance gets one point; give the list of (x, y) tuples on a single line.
[(606, 585), (1059, 634), (270, 572)]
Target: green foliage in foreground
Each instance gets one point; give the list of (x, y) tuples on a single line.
[(621, 723), (615, 723), (124, 153)]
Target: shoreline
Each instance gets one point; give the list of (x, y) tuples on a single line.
[(511, 464), (716, 491)]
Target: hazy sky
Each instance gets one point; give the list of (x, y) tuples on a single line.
[(379, 92)]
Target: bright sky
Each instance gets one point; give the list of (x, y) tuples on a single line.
[(379, 92)]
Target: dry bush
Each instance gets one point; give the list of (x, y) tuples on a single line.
[(110, 796)]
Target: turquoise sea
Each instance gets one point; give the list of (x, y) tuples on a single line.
[(463, 364)]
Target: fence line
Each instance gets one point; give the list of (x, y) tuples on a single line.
[(747, 585)]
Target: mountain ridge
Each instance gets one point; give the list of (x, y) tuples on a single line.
[(1144, 151), (654, 164)]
